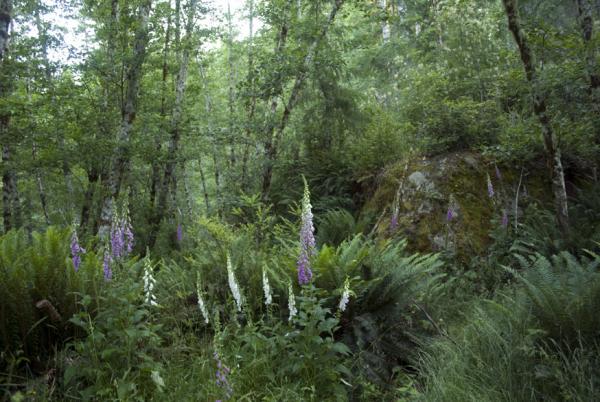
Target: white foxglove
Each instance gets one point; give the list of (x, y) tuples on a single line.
[(235, 290), (291, 302), (345, 296), (201, 304), (266, 289), (149, 283)]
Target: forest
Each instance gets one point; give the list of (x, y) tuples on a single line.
[(300, 200)]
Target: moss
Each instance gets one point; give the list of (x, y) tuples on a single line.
[(462, 176)]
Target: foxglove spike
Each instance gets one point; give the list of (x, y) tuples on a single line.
[(307, 240), (490, 187)]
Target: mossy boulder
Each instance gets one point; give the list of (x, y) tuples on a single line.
[(424, 189)]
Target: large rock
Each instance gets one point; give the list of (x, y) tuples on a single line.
[(428, 187)]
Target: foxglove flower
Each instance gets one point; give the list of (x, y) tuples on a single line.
[(121, 234), (128, 235), (149, 283), (394, 221), (222, 373), (345, 296), (498, 174), (504, 219), (76, 251), (490, 187), (201, 304), (106, 266), (117, 237), (233, 285), (179, 233), (291, 303), (307, 240), (450, 213), (266, 289)]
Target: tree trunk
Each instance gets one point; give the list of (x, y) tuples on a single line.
[(586, 20), (553, 152), (121, 158), (385, 24), (175, 129), (231, 97), (5, 16), (186, 190), (251, 106), (213, 139), (88, 198), (40, 185), (10, 198), (163, 113), (203, 183), (272, 144), (269, 154)]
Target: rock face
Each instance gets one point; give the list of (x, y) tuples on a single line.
[(425, 190)]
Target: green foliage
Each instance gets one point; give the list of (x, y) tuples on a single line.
[(117, 359), (35, 270), (334, 226), (524, 345), (300, 360), (387, 286)]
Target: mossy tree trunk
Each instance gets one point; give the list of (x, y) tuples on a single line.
[(128, 114), (553, 152)]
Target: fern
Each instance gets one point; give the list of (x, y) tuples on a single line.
[(335, 226), (36, 270), (563, 294)]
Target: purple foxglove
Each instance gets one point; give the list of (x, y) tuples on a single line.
[(498, 174), (106, 266), (128, 235), (117, 238), (490, 187), (179, 233), (450, 213), (504, 219), (394, 221), (76, 251), (307, 240), (221, 374)]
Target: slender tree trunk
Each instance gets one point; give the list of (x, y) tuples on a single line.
[(203, 183), (163, 114), (121, 154), (272, 145), (88, 198), (251, 107), (5, 17), (186, 191), (539, 106), (269, 151), (40, 185), (586, 20), (231, 98), (385, 24), (213, 139), (175, 129), (10, 198)]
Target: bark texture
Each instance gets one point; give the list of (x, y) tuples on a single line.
[(121, 154), (553, 152), (275, 132)]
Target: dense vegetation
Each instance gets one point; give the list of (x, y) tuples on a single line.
[(350, 200)]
